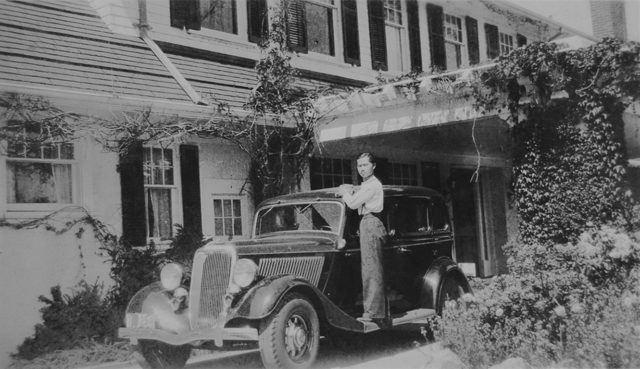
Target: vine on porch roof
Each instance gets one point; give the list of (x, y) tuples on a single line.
[(566, 110)]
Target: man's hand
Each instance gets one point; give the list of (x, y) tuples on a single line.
[(345, 189)]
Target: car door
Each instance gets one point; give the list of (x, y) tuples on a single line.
[(415, 240)]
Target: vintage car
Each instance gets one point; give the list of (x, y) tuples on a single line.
[(297, 278)]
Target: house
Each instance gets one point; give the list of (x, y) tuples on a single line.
[(112, 59)]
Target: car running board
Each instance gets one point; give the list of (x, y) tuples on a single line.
[(412, 316)]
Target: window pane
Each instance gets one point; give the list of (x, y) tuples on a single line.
[(237, 226), (159, 212), (157, 176), (236, 208), (30, 183), (218, 225), (168, 176), (49, 152), (319, 29), (66, 151), (217, 208), (226, 208), (219, 15), (228, 227)]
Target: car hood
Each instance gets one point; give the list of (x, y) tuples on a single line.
[(285, 244)]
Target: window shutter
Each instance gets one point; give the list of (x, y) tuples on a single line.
[(185, 13), (190, 181), (521, 40), (435, 19), (473, 44), (414, 35), (134, 230), (350, 32), (258, 21), (296, 26), (493, 40), (377, 35)]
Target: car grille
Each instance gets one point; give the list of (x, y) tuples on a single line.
[(209, 283), (307, 267)]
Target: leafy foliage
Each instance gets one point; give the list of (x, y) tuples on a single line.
[(69, 320), (575, 304), (569, 162)]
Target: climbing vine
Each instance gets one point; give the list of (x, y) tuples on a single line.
[(566, 111)]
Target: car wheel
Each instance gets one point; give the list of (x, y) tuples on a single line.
[(290, 337), (160, 355), (452, 288)]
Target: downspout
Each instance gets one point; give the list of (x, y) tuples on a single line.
[(143, 26)]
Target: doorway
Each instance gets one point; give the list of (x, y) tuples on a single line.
[(465, 216)]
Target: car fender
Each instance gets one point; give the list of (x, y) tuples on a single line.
[(154, 302), (261, 300), (441, 268)]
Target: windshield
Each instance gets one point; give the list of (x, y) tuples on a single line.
[(307, 216)]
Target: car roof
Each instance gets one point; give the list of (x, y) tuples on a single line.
[(332, 194)]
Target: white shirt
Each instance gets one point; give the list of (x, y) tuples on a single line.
[(368, 199)]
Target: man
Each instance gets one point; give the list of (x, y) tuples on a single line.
[(369, 200)]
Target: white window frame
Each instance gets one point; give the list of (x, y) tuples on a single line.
[(241, 23), (39, 207), (506, 42), (394, 7), (176, 214), (459, 40), (243, 215), (337, 32)]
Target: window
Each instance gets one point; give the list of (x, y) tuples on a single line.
[(493, 40), (393, 11), (506, 43), (403, 174), (40, 172), (453, 41), (310, 26), (219, 15), (330, 172), (158, 188), (227, 216), (319, 16)]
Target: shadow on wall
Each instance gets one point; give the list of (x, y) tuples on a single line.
[(31, 262)]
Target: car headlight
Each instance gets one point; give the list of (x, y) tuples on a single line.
[(171, 276), (244, 272)]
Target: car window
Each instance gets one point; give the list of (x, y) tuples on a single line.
[(409, 215), (307, 216), (439, 215)]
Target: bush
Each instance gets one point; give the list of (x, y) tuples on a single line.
[(574, 304), (69, 320)]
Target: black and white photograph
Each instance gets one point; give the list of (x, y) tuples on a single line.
[(332, 184)]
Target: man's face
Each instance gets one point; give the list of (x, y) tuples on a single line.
[(365, 168)]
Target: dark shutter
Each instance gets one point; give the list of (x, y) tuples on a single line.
[(493, 40), (134, 230), (296, 26), (521, 40), (185, 13), (414, 35), (257, 20), (377, 35), (190, 181), (472, 40), (435, 20), (350, 32)]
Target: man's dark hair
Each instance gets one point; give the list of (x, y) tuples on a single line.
[(372, 159)]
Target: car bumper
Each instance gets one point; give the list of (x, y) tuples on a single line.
[(218, 335)]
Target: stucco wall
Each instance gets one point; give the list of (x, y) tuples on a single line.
[(31, 262)]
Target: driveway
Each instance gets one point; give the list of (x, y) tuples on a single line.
[(401, 348)]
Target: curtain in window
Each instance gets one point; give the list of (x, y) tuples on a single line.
[(38, 183), (219, 15), (62, 183), (159, 212)]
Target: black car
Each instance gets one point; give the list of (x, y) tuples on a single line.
[(298, 278)]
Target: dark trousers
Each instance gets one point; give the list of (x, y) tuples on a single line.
[(373, 235)]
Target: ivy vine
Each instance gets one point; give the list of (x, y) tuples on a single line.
[(566, 111)]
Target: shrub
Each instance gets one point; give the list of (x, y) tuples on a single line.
[(69, 320), (576, 304), (131, 269)]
